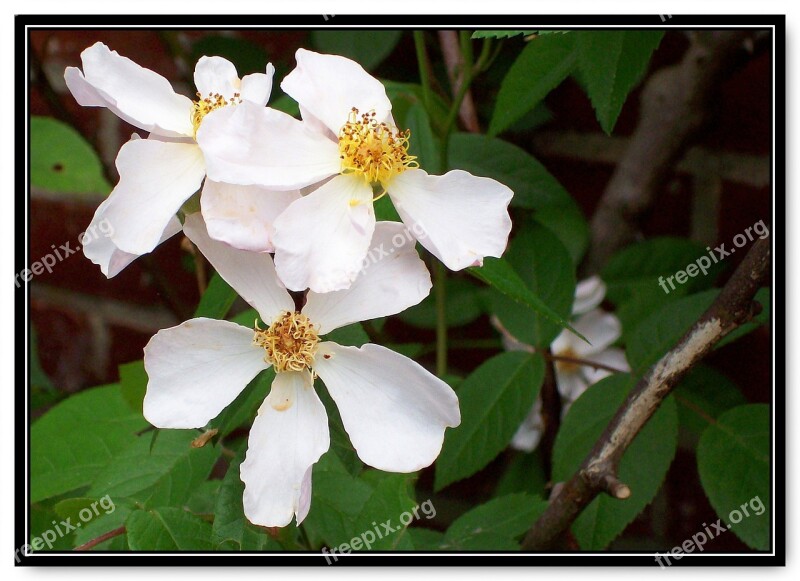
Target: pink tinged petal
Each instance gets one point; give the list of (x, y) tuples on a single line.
[(100, 249), (600, 328), (459, 217), (588, 295), (329, 86), (394, 411), (242, 216), (257, 87), (612, 357), (156, 178), (196, 369), (288, 436), (251, 274), (393, 278), (304, 502), (247, 144), (321, 239), (137, 95), (215, 75)]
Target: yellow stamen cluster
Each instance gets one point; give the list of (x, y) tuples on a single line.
[(205, 105), (290, 342), (375, 150)]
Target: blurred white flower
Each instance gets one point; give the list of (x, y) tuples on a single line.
[(602, 330), (158, 174), (348, 137), (394, 411)]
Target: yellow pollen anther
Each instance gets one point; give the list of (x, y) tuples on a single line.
[(290, 342), (205, 105), (378, 151)]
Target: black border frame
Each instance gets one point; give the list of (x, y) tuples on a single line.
[(196, 558)]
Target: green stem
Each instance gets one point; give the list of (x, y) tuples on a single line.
[(424, 69), (440, 290)]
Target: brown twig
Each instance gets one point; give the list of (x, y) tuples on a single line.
[(548, 355), (733, 307), (551, 412), (676, 104), (456, 69), (104, 537)]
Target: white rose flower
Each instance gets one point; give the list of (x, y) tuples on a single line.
[(394, 411)]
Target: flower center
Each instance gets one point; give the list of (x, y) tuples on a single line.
[(290, 342), (205, 105), (375, 150), (567, 366)]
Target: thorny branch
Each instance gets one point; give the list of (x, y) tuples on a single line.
[(733, 307)]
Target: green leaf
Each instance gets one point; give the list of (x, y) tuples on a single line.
[(336, 501), (367, 47), (405, 95), (385, 210), (701, 397), (425, 539), (500, 275), (611, 63), (391, 498), (77, 438), (231, 529), (159, 469), (217, 300), (89, 508), (133, 383), (525, 473), (422, 142), (512, 33), (548, 272), (62, 161), (463, 306), (203, 498), (662, 330), (494, 400), (242, 410), (501, 33), (41, 526), (167, 529), (103, 524), (635, 271), (340, 441), (541, 66), (733, 458), (642, 467), (352, 335), (287, 105), (494, 525)]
